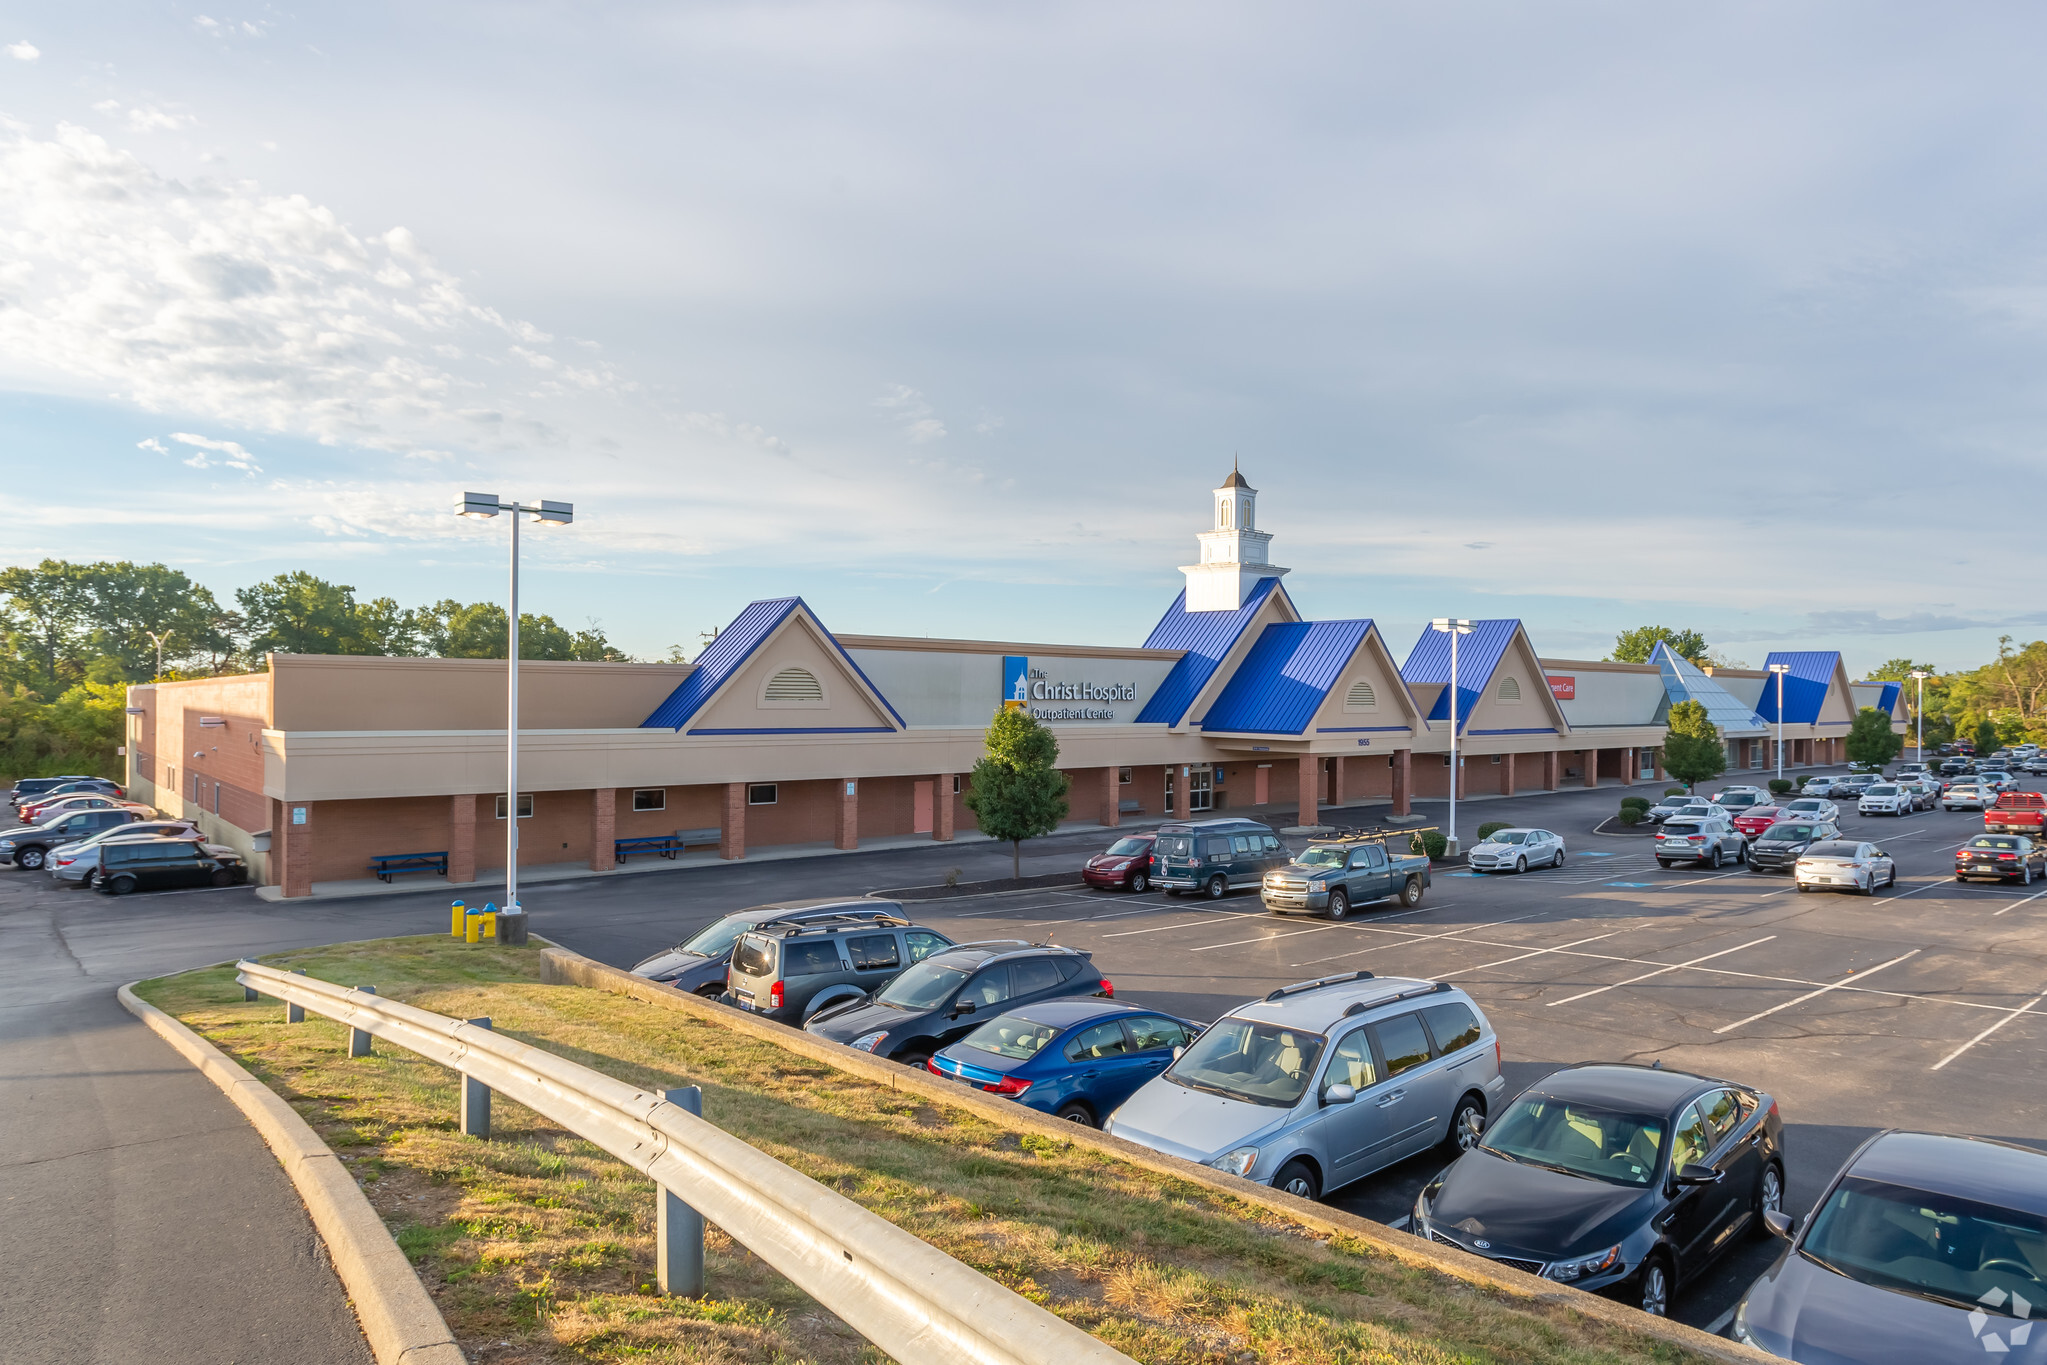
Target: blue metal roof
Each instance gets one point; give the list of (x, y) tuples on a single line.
[(1478, 654), (1684, 681), (1888, 702), (729, 653), (1284, 679), (1206, 636), (1805, 686)]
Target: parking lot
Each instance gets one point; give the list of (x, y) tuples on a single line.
[(1924, 1006)]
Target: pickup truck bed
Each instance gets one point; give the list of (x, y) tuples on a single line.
[(2017, 813)]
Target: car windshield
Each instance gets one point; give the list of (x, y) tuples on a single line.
[(1128, 848), (1012, 1037), (1508, 836), (1318, 856), (1804, 805), (1785, 834), (2008, 845), (1883, 789), (922, 987), (1250, 1061), (715, 937), (1975, 1256), (1578, 1139), (1833, 848)]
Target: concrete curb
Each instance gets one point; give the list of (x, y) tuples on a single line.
[(561, 966), (397, 1315)]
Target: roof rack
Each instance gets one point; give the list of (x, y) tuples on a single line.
[(1302, 987), (1411, 993), (1347, 835), (828, 923)]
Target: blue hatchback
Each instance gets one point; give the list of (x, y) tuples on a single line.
[(1076, 1059)]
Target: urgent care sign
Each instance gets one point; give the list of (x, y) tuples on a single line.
[(1563, 688)]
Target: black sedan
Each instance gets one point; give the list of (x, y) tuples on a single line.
[(1924, 1247), (698, 964), (2001, 857), (1626, 1180), (939, 1001), (1777, 848)]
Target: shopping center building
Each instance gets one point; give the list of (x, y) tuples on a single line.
[(786, 733)]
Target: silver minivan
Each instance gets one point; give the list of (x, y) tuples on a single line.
[(1324, 1082)]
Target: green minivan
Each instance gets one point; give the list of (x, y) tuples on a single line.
[(1215, 857)]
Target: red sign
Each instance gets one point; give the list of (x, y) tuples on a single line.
[(1564, 688)]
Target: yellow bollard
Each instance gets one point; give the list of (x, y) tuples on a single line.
[(473, 928), (457, 913), (490, 925)]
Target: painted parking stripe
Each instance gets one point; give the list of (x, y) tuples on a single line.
[(1408, 937), (1814, 995), (2022, 1009), (1533, 952), (1186, 924), (2016, 904), (1266, 938), (1673, 967)]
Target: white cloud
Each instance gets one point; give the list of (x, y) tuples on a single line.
[(150, 119), (234, 456), (150, 443), (24, 51), (919, 419)]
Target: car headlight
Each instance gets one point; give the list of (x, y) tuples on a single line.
[(1567, 1271), (1238, 1162), (867, 1042), (6, 843), (1741, 1332), (1318, 886)]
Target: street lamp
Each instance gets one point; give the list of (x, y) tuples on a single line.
[(158, 640), (548, 514), (1452, 627), (1780, 670), (1920, 676)]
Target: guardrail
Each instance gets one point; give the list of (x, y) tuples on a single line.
[(908, 1298)]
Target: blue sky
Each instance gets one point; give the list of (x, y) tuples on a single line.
[(947, 317)]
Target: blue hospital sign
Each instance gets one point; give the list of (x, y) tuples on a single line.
[(1016, 681)]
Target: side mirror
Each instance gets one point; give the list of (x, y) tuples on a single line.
[(1339, 1094), (963, 1007), (1692, 1173), (1179, 1052), (1779, 1224)]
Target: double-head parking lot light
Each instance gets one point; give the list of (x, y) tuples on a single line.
[(1780, 670), (1453, 627), (1920, 676)]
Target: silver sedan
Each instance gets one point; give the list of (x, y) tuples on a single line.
[(1843, 865)]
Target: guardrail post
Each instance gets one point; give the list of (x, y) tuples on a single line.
[(248, 994), (359, 1039), (679, 1240), (295, 1014), (476, 1100)]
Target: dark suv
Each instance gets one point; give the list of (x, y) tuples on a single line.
[(698, 963), (163, 864), (938, 1002), (791, 971), (30, 848), (29, 788), (1215, 857)]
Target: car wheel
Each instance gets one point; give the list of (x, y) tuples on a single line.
[(1172, 891), (1467, 1124), (1892, 879), (913, 1060), (29, 858), (1769, 1198), (1521, 864), (1076, 1112), (1339, 903), (1139, 882), (1298, 1178), (1558, 859), (1218, 887), (1653, 1289), (1411, 892), (121, 886), (1715, 863), (223, 877), (1741, 855), (2026, 875), (1663, 863)]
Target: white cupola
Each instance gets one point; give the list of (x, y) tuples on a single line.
[(1234, 553)]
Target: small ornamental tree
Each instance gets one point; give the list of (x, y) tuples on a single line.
[(1987, 740), (1871, 741), (1015, 792), (1635, 646), (1692, 752)]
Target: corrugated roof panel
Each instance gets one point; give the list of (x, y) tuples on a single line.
[(1805, 685), (1284, 679), (727, 654), (1889, 704), (1206, 636), (1684, 680), (1478, 654)]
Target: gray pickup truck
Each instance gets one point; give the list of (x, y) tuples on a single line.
[(1332, 875)]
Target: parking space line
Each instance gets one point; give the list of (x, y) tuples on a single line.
[(1813, 995), (1987, 1032), (1266, 938), (2016, 904), (1717, 876), (1186, 924), (1408, 938), (1675, 966), (1533, 952)]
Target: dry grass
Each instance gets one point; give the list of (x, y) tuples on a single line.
[(539, 1247)]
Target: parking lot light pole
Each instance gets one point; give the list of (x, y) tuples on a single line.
[(547, 514), (1920, 675), (1780, 670), (1452, 627)]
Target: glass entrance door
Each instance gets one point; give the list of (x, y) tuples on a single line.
[(1200, 788)]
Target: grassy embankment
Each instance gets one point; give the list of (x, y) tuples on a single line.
[(539, 1247)]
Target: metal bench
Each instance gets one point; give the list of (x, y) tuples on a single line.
[(1130, 805), (384, 864), (667, 845)]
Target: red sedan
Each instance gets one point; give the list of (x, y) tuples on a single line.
[(1127, 864), (1756, 819)]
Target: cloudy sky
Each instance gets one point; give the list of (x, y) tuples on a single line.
[(947, 316)]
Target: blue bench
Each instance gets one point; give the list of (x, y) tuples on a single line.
[(667, 845), (384, 864)]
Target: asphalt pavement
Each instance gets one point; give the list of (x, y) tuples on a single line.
[(150, 1221)]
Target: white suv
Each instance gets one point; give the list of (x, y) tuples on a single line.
[(1885, 798)]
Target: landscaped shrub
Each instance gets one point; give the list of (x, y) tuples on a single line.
[(1430, 841), (1677, 791), (1780, 785), (1637, 802), (1634, 815), (1803, 778), (1490, 827)]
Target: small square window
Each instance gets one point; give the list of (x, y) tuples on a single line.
[(525, 806), (1122, 777), (1496, 758), (761, 794), (650, 798)]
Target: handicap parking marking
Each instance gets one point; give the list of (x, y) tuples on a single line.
[(2022, 1009), (1846, 983), (1594, 853), (1673, 967), (1632, 886)]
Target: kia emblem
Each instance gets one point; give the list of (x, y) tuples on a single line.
[(1482, 1244)]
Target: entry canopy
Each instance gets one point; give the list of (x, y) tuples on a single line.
[(1684, 681)]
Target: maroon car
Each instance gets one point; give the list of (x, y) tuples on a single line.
[(1127, 864)]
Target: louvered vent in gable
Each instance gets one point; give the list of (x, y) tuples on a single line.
[(793, 686), (1361, 697), (1510, 689)]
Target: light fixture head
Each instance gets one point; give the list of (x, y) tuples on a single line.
[(477, 505), (555, 513), (1446, 624), (1780, 668), (198, 753), (1920, 673), (136, 711), (211, 723)]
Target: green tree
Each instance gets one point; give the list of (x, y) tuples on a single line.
[(297, 613), (1692, 750), (477, 630), (1635, 646), (1870, 739), (1988, 737), (1900, 670), (1015, 792), (50, 605)]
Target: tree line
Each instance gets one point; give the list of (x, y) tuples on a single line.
[(74, 637)]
